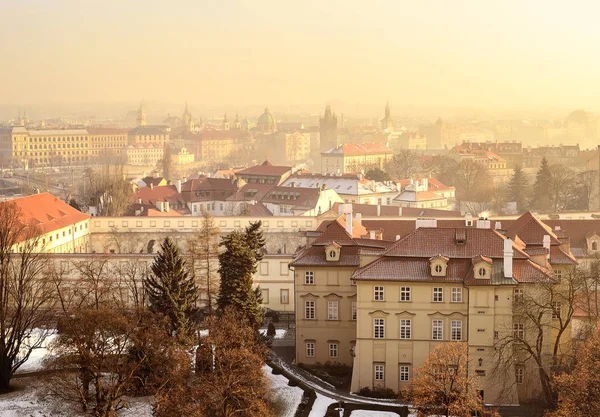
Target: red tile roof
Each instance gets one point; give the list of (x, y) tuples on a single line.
[(47, 212), (150, 195), (265, 169), (531, 230)]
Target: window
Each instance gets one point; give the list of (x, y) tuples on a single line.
[(480, 372), (437, 329), (332, 254), (456, 330), (520, 374), (378, 328), (518, 331), (379, 372), (353, 310), (438, 268), (378, 293), (594, 246), (456, 295), (496, 334), (438, 294), (333, 350), (404, 293), (309, 277), (517, 295), (310, 349), (405, 328), (309, 310), (404, 373), (332, 310), (556, 305), (558, 274), (482, 271), (265, 296), (284, 296)]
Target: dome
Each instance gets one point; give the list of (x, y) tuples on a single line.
[(266, 122), (578, 116)]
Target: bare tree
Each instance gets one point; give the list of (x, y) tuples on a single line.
[(96, 287), (404, 164), (26, 298), (442, 385), (203, 249), (542, 316), (587, 183), (473, 183), (107, 189), (131, 274), (561, 189)]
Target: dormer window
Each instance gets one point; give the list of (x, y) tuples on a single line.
[(482, 272), (332, 252), (438, 265), (482, 267)]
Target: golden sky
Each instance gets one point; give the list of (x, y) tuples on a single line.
[(485, 53)]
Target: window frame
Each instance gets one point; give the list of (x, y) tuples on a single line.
[(405, 329), (438, 294), (379, 372), (405, 294), (354, 311), (437, 330), (404, 373), (378, 328), (456, 291), (378, 293), (309, 349), (335, 348), (309, 277), (312, 309), (456, 330), (333, 310)]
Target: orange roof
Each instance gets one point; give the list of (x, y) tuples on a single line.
[(47, 212)]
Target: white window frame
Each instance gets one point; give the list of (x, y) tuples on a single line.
[(520, 375), (378, 293), (309, 277), (437, 329), (334, 350), (456, 330), (456, 296), (354, 311), (405, 294), (332, 310), (556, 309), (518, 331), (517, 295), (379, 370), (404, 373), (310, 309), (310, 349), (378, 328), (405, 329), (438, 294)]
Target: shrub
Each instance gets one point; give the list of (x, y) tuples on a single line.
[(271, 330), (378, 393)]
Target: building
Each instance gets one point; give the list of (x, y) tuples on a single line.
[(350, 158), (265, 173), (296, 201), (143, 134), (292, 147), (181, 156), (352, 188), (144, 154), (105, 141), (266, 123), (217, 145), (328, 130), (424, 193), (387, 124), (490, 160), (407, 140), (59, 227)]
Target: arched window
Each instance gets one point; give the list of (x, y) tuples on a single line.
[(482, 272)]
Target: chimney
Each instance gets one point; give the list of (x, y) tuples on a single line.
[(324, 186), (508, 258), (178, 186), (292, 184), (152, 186), (358, 217), (167, 208), (468, 220), (341, 208), (484, 224), (498, 226), (397, 237), (184, 180), (348, 213), (372, 234), (425, 184), (425, 223), (546, 244), (378, 210), (139, 201)]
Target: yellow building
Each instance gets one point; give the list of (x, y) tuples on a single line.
[(182, 157), (351, 158), (149, 134), (145, 154), (106, 141)]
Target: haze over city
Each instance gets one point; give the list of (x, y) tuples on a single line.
[(493, 55)]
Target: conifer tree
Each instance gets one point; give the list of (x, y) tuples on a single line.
[(517, 189), (172, 292), (238, 262), (542, 186)]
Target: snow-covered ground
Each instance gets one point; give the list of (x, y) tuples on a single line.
[(319, 408), (370, 413), (289, 397), (279, 333), (34, 362)]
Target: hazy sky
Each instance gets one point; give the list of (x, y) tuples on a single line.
[(486, 53)]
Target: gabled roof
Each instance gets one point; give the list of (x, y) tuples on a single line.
[(47, 212), (265, 169), (160, 193), (149, 130), (153, 180), (531, 230)]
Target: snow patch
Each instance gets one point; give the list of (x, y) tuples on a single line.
[(279, 333), (319, 408), (371, 413), (290, 397)]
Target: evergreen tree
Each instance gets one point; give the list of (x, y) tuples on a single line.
[(542, 186), (172, 291), (517, 189), (238, 262)]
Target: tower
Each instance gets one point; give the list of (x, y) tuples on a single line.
[(328, 130), (188, 123), (141, 117), (237, 124), (245, 125), (387, 124), (225, 125)]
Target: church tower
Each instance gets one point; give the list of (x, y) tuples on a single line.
[(141, 117), (225, 125), (188, 123), (245, 125), (237, 124), (387, 124), (328, 130)]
